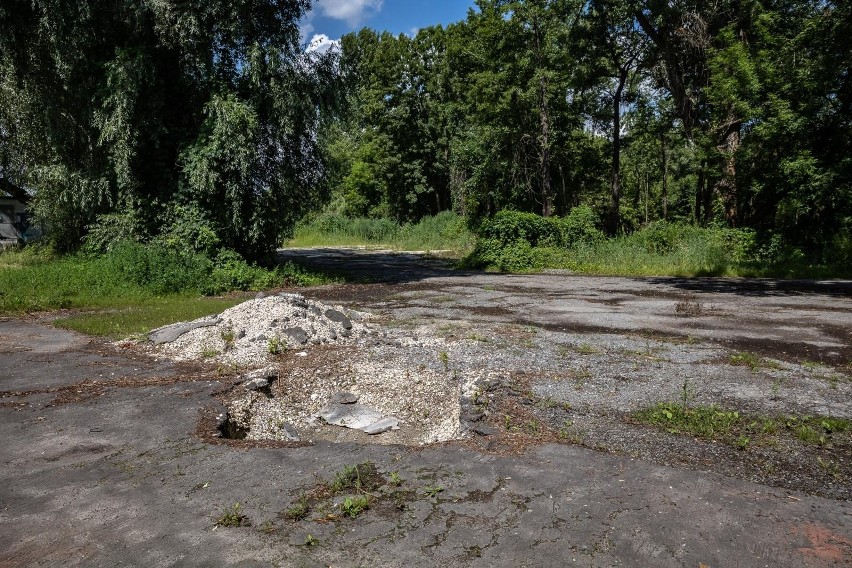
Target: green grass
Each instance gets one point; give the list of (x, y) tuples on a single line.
[(130, 277), (663, 249), (739, 430), (445, 232), (131, 320)]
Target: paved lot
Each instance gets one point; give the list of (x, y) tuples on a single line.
[(106, 459)]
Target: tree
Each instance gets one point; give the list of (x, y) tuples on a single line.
[(130, 107)]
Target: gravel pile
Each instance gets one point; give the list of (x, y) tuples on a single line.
[(254, 331)]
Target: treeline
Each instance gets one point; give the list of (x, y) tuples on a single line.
[(733, 113), (188, 123), (206, 126)]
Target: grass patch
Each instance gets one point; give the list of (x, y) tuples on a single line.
[(145, 316), (445, 231), (233, 517), (738, 430), (130, 276)]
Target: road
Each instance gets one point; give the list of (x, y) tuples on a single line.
[(108, 460)]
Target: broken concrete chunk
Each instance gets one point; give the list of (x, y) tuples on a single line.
[(169, 333), (483, 429), (296, 335), (473, 417), (339, 317), (295, 299), (344, 397), (381, 426), (290, 431), (358, 417)]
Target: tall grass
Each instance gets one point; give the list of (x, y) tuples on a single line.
[(445, 231), (34, 279), (662, 249)]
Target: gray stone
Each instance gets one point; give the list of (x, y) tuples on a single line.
[(344, 397), (296, 335), (473, 417), (171, 332), (291, 432), (339, 317), (358, 417), (483, 429)]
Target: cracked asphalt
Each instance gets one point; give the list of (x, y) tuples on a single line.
[(108, 458)]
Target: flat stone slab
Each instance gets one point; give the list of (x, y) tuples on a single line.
[(171, 332), (358, 417)]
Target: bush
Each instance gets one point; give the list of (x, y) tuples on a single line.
[(157, 269), (580, 226), (508, 227)]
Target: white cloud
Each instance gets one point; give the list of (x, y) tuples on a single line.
[(353, 12), (321, 44)]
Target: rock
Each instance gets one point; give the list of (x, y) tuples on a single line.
[(257, 384), (294, 299), (483, 429), (473, 417), (291, 432), (344, 397), (358, 417), (171, 332), (339, 317), (260, 295), (296, 335), (315, 310)]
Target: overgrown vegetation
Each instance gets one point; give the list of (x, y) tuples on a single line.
[(445, 231), (131, 275), (741, 430), (517, 242)]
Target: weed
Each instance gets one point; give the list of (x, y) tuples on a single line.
[(268, 527), (395, 479), (209, 353), (311, 540), (358, 478), (686, 394), (703, 421), (228, 337), (746, 359), (354, 506), (444, 357), (233, 517), (688, 307), (432, 491), (276, 345), (532, 427), (742, 442), (570, 433), (586, 349), (299, 510), (831, 467)]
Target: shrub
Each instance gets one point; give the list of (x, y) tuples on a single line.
[(508, 227), (580, 226)]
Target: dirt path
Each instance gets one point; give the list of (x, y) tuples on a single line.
[(109, 458)]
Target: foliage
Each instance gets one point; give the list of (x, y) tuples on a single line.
[(441, 232), (233, 517), (129, 275), (130, 110)]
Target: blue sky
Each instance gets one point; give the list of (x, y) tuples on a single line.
[(330, 19)]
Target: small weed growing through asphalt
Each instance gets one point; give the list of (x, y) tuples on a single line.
[(752, 361), (299, 510), (395, 479), (742, 442), (688, 307), (432, 491), (209, 353), (355, 505), (587, 349), (311, 540), (233, 517)]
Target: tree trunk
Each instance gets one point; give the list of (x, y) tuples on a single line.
[(544, 161), (665, 196), (699, 192), (615, 184), (726, 187)]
